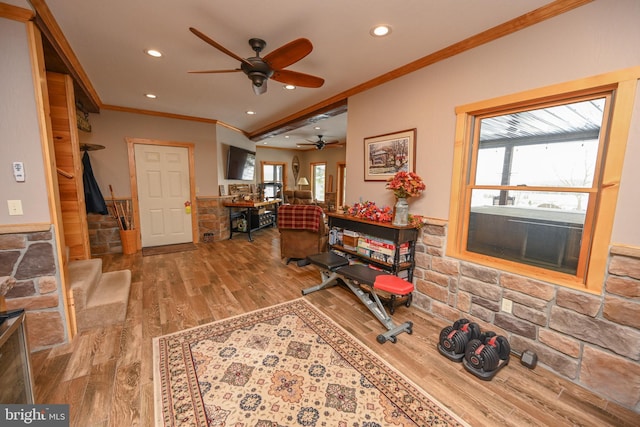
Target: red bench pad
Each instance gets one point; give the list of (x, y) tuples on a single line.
[(393, 284)]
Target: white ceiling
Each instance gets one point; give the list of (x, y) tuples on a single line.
[(109, 39)]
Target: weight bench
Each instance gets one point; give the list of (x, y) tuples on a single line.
[(335, 270)]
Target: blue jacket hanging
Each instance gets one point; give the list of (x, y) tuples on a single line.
[(92, 196)]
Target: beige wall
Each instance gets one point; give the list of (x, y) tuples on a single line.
[(599, 37), (19, 129), (225, 138), (329, 155), (110, 166), (626, 229)]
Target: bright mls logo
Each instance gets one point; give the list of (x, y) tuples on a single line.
[(34, 415)]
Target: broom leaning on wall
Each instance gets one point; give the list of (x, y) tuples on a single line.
[(120, 210)]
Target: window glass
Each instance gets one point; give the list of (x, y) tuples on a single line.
[(268, 173), (538, 228), (272, 178), (554, 146), (319, 178), (531, 182)]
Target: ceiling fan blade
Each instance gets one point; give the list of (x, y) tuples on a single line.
[(218, 46), (288, 54), (214, 71), (297, 79)]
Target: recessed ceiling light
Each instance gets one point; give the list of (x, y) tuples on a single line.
[(289, 87), (286, 136), (317, 128), (251, 113), (154, 53), (380, 30), (150, 95)]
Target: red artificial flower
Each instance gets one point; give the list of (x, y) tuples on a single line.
[(371, 212), (406, 184)]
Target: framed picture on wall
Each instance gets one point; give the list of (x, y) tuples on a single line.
[(385, 155)]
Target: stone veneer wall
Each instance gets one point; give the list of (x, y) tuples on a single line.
[(213, 218), (104, 235), (593, 340), (30, 259), (211, 214)]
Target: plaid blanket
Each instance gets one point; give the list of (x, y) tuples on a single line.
[(300, 217)]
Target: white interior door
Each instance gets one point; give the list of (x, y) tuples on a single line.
[(162, 174)]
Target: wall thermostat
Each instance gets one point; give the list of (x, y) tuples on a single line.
[(18, 171)]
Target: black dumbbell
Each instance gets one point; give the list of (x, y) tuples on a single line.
[(484, 354), (454, 339)]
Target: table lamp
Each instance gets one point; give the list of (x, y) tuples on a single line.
[(302, 181)]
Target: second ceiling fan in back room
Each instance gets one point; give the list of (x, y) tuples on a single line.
[(259, 70), (320, 143)]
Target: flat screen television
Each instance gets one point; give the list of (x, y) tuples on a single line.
[(241, 164)]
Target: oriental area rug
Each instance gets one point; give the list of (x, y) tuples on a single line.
[(286, 365)]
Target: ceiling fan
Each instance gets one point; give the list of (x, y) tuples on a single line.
[(321, 142), (271, 66)]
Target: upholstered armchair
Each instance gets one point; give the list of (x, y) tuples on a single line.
[(298, 197), (302, 232)]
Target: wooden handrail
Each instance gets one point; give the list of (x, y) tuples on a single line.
[(65, 173)]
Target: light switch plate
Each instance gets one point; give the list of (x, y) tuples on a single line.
[(15, 207), (507, 305)]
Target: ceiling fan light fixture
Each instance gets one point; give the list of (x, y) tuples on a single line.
[(257, 78), (259, 90), (258, 82), (380, 30)]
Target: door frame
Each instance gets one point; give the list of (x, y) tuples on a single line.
[(341, 168), (133, 180)]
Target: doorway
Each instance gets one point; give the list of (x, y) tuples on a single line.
[(162, 191)]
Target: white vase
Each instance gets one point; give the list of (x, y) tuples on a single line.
[(401, 212)]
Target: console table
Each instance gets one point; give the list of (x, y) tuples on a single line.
[(395, 263), (255, 214)]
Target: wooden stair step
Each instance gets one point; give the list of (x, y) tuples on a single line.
[(84, 275), (108, 301)]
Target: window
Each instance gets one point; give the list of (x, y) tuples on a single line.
[(528, 193), (318, 180), (532, 182), (273, 178)]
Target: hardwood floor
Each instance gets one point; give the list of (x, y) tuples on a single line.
[(106, 374)]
